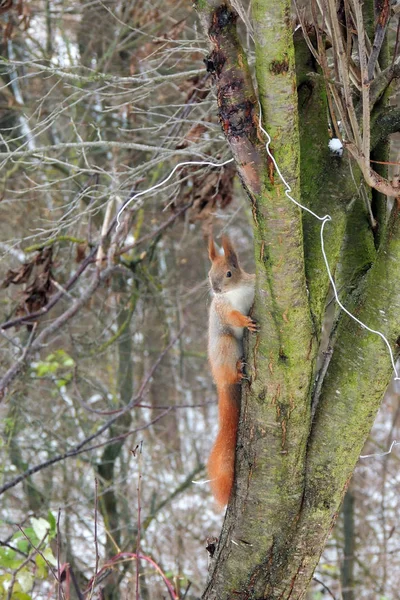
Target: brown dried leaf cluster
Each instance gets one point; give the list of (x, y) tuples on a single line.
[(37, 276), (21, 10), (208, 192)]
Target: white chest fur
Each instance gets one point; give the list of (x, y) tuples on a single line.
[(241, 298)]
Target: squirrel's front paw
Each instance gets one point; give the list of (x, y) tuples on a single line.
[(252, 325)]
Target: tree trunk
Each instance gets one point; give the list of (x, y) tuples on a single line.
[(108, 499), (347, 568)]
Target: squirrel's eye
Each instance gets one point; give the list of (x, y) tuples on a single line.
[(229, 274)]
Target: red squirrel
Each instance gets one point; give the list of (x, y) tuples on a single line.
[(233, 296)]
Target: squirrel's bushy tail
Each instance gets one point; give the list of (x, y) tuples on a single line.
[(221, 463)]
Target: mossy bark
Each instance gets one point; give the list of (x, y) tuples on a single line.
[(358, 375), (293, 466)]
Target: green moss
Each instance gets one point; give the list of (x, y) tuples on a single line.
[(201, 5), (60, 238)]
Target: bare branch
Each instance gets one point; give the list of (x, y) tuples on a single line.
[(41, 152), (386, 123), (340, 56), (146, 77), (50, 329), (383, 80), (380, 33), (366, 132), (80, 448)]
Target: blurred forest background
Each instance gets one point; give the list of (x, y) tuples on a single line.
[(108, 394)]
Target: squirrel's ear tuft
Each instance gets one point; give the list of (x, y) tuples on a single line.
[(212, 252), (229, 252)]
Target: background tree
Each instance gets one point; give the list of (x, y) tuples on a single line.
[(108, 408)]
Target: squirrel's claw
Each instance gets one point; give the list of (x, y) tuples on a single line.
[(253, 326)]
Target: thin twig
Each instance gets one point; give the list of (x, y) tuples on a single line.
[(38, 153), (96, 544), (139, 490), (189, 585), (396, 44), (320, 380), (43, 311), (323, 61), (380, 33), (15, 573), (157, 231), (98, 76), (75, 583), (324, 586), (80, 448), (300, 16), (90, 259), (372, 178), (366, 135), (123, 556), (50, 329), (343, 70), (13, 548), (38, 549), (58, 555)]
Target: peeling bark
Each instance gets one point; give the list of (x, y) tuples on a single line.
[(237, 101)]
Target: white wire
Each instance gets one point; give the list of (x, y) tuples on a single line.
[(323, 220), (201, 481), (394, 443), (161, 183)]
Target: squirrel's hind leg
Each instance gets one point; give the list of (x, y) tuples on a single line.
[(241, 370)]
